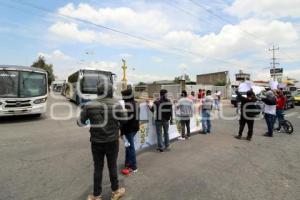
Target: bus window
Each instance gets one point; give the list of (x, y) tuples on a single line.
[(32, 84), (9, 83)]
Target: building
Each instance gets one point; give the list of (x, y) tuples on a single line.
[(241, 76), (217, 78)]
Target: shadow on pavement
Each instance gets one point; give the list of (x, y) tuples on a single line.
[(19, 119)]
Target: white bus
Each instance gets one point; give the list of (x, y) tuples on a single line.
[(82, 85), (23, 90)]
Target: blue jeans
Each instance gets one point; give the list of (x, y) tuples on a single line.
[(130, 160), (279, 117), (206, 124), (270, 119), (165, 126), (217, 104)]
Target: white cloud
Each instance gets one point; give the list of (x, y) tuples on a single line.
[(55, 55), (148, 22), (250, 35), (72, 32), (265, 8), (157, 59)]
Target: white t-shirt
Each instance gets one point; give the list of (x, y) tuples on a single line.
[(270, 109)]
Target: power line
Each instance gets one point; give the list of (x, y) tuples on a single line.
[(226, 21), (117, 31)]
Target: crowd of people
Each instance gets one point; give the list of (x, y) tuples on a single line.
[(273, 109), (109, 119)]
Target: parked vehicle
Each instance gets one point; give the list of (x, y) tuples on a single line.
[(296, 96), (23, 90), (289, 100), (234, 100), (82, 85)]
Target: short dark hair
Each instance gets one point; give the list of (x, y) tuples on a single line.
[(208, 92), (163, 92), (184, 93), (250, 93)]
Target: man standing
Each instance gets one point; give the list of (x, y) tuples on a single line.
[(270, 112), (185, 106), (104, 115), (163, 114), (207, 104), (248, 112)]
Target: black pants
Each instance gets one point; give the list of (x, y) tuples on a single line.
[(110, 150), (250, 123), (185, 123)]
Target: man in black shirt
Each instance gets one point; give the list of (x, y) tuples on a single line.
[(163, 114)]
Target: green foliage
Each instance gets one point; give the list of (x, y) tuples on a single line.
[(41, 63), (177, 79), (141, 83), (220, 83)]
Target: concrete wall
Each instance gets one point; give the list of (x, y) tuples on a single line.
[(212, 78)]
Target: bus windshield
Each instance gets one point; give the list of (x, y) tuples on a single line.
[(32, 84), (90, 80), (9, 83), (21, 84)]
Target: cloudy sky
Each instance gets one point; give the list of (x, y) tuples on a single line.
[(159, 38)]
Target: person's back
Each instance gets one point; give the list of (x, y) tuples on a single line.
[(207, 102), (185, 108), (102, 115), (270, 103), (163, 109), (248, 104)]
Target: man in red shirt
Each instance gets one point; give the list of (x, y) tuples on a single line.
[(280, 104)]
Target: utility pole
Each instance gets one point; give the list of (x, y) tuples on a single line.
[(274, 63)]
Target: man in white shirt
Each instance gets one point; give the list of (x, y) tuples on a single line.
[(185, 112), (270, 112)]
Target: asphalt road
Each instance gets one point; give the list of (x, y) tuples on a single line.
[(49, 158)]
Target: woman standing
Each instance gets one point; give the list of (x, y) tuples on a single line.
[(280, 104), (129, 129)]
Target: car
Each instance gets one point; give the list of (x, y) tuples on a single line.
[(290, 103), (234, 100), (296, 96)]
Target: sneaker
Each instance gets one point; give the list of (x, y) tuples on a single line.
[(168, 148), (92, 197), (248, 138), (134, 170), (159, 150), (125, 171), (181, 138), (118, 194), (238, 137), (188, 137)]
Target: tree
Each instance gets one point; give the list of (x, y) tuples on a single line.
[(41, 63), (220, 83), (141, 83), (178, 78)]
